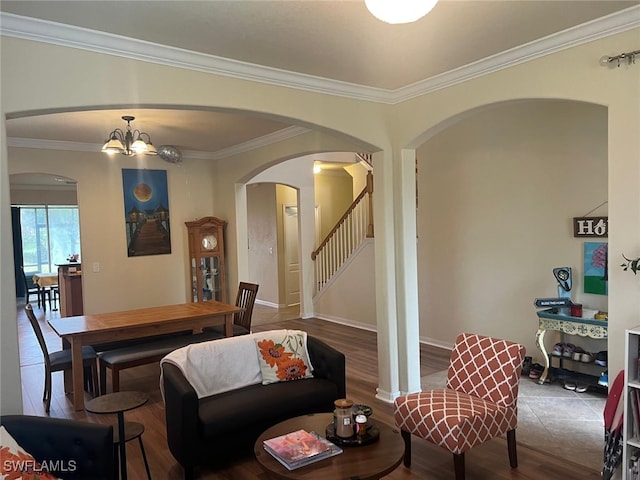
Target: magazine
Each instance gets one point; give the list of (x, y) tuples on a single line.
[(299, 448)]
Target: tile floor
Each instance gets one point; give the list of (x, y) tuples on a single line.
[(550, 418)]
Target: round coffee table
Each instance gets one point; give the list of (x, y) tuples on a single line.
[(369, 462)]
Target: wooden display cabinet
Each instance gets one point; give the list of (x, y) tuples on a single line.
[(70, 284), (206, 258)]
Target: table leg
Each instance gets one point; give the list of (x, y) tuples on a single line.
[(77, 369), (123, 449), (540, 344)]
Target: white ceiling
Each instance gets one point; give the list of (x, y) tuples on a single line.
[(335, 42)]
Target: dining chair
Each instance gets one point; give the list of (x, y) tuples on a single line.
[(478, 403), (246, 298), (61, 360), (28, 290)]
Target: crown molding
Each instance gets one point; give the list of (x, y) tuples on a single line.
[(265, 140), (613, 24), (28, 28), (45, 144), (76, 37)]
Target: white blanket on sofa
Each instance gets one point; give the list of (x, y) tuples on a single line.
[(227, 364), (219, 365)]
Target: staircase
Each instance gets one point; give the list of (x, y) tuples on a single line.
[(346, 236)]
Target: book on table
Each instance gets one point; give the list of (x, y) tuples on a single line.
[(300, 448)]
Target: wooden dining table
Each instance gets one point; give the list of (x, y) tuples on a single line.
[(82, 330)]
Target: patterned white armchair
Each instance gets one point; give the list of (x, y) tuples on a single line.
[(478, 403)]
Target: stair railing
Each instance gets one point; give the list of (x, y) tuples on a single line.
[(347, 235)]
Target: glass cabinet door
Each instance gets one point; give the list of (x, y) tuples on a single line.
[(206, 279)]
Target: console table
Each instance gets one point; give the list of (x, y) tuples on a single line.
[(585, 327)]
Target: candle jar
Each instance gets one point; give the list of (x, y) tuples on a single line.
[(361, 425), (342, 418)]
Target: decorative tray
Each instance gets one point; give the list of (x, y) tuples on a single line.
[(372, 435)]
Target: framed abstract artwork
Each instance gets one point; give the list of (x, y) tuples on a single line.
[(596, 273), (146, 212)]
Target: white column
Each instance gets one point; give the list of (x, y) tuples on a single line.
[(242, 236), (10, 382), (407, 273), (383, 211)]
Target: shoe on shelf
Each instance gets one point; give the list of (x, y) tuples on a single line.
[(568, 350), (526, 366), (601, 358), (604, 379), (587, 357), (558, 348), (536, 370), (577, 353)]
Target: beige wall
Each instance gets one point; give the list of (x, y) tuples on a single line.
[(498, 192), (359, 174), (42, 196), (334, 195), (124, 282), (348, 298)]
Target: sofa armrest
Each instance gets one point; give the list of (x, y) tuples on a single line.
[(181, 414), (71, 449), (327, 363)]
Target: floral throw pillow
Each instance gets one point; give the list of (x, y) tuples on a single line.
[(282, 355), (17, 464)]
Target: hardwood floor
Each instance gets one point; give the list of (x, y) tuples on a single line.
[(486, 462)]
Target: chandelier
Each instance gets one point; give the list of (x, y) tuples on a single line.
[(399, 11), (129, 142)]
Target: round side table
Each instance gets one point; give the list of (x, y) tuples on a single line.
[(120, 402)]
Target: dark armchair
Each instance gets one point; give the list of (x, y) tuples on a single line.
[(75, 450)]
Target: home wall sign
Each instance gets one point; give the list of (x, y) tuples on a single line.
[(591, 227)]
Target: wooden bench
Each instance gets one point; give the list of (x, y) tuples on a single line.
[(133, 353)]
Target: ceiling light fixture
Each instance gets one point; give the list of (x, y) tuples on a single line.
[(399, 11), (129, 142)]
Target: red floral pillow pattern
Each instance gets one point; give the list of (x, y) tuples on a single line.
[(282, 355), (17, 464)]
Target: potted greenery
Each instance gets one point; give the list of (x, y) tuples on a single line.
[(632, 264)]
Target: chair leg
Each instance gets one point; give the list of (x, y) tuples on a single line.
[(115, 379), (47, 391), (103, 378), (86, 371), (458, 465), (406, 436), (511, 445), (144, 457), (94, 375)]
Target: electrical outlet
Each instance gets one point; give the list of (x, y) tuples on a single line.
[(96, 267)]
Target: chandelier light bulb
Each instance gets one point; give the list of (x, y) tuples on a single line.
[(399, 11)]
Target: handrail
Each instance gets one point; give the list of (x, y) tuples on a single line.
[(368, 189), (365, 157)]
